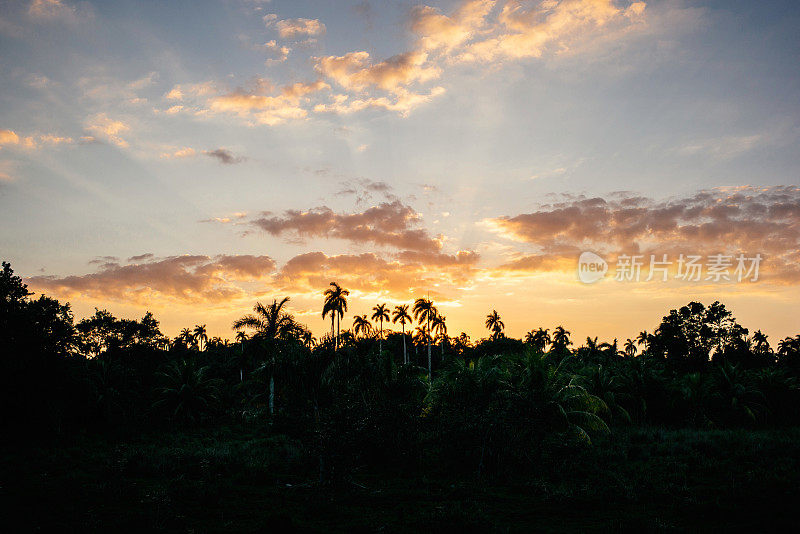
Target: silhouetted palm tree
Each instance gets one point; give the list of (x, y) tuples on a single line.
[(561, 338), (241, 337), (425, 311), (420, 337), (643, 339), (762, 345), (630, 347), (439, 326), (186, 337), (400, 315), (380, 313), (361, 325), (270, 323), (335, 305), (187, 392), (200, 336), (538, 338), (495, 324)]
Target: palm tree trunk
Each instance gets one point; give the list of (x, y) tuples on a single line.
[(271, 395), (380, 341), (428, 323), (405, 356)]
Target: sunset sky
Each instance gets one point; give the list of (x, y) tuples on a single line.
[(191, 158)]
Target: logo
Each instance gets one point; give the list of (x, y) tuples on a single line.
[(591, 267)]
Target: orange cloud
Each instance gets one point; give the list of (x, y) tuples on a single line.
[(523, 31), (265, 108), (11, 138), (104, 126), (748, 220), (370, 273), (187, 278), (403, 102), (355, 71), (438, 31)]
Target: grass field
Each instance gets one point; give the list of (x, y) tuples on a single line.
[(244, 479)]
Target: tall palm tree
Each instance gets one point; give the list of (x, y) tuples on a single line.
[(201, 336), (270, 324), (241, 337), (335, 305), (630, 347), (361, 325), (425, 311), (561, 338), (380, 313), (495, 324), (400, 315), (439, 326)]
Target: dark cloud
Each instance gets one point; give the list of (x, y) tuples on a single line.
[(224, 156), (390, 224), (729, 220), (141, 257)]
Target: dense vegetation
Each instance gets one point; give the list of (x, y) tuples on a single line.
[(207, 427)]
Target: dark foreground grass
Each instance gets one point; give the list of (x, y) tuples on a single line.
[(244, 479)]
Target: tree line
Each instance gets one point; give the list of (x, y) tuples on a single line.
[(373, 394)]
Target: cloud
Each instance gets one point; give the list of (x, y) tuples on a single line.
[(747, 219), (10, 138), (387, 224), (59, 11), (225, 278), (371, 273), (224, 156), (185, 152), (724, 147), (109, 89), (529, 30), (442, 32), (141, 257), (277, 52), (103, 126), (363, 189), (225, 220), (6, 175), (295, 28), (477, 31), (403, 102), (259, 102), (356, 71), (185, 278)]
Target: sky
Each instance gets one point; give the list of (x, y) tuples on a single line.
[(192, 158)]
